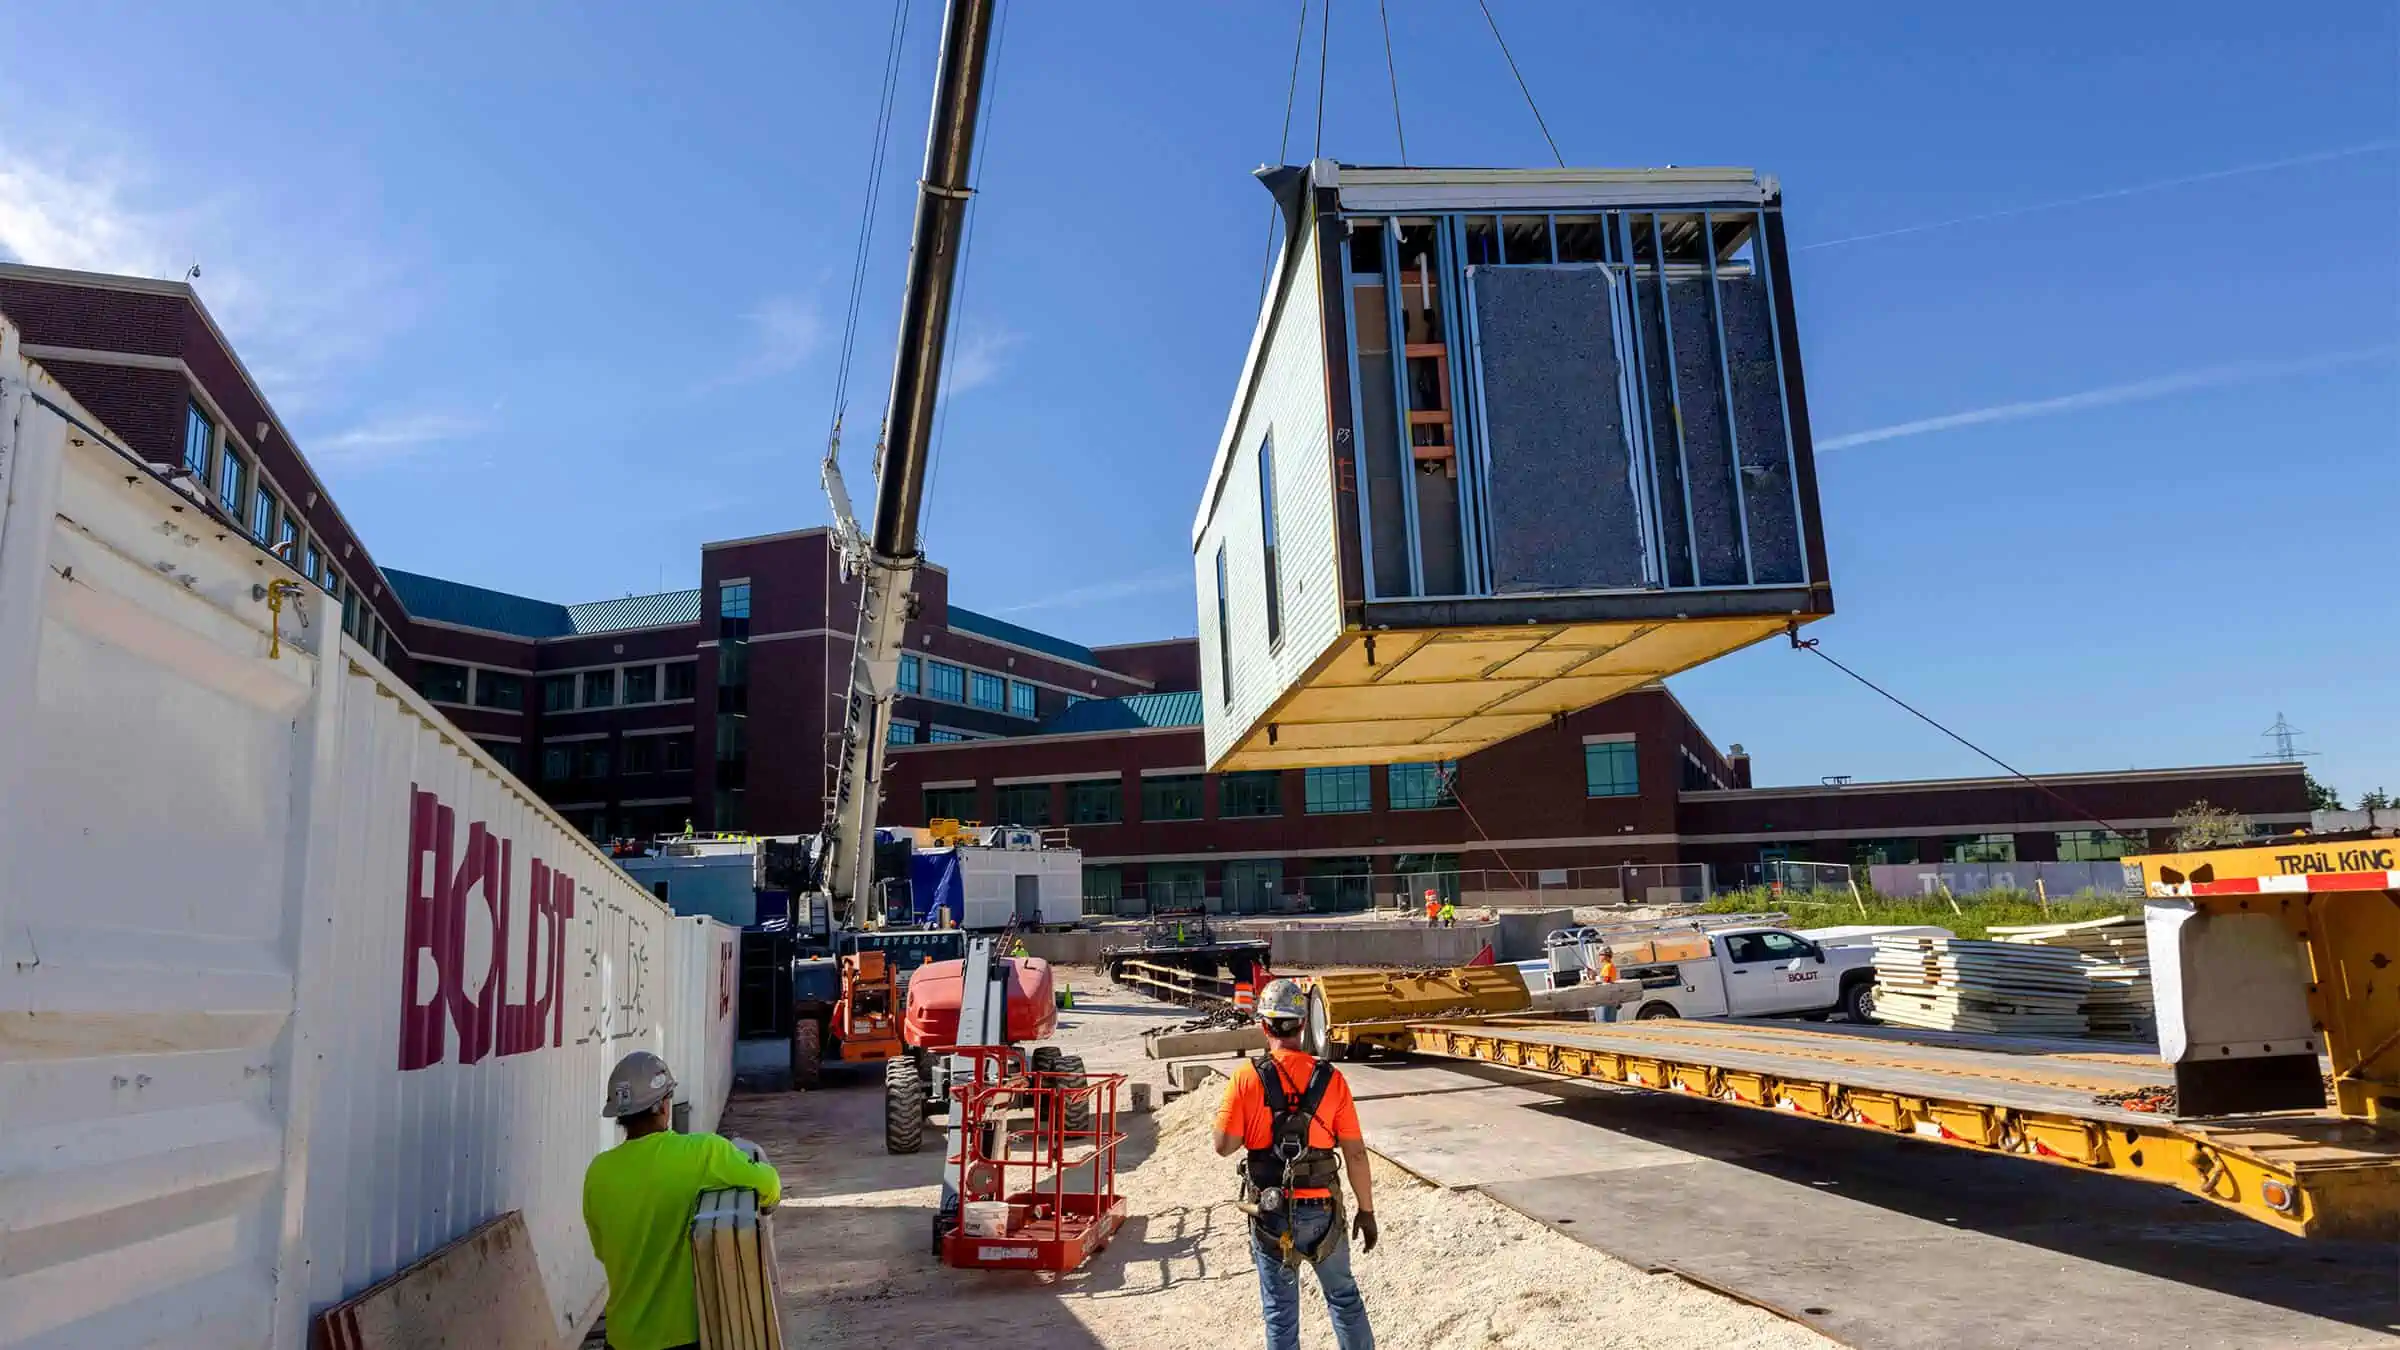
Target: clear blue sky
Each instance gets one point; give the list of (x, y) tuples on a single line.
[(552, 294)]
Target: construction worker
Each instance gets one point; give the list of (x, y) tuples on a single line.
[(637, 1206), (1449, 915), (1433, 908), (1608, 965), (1292, 1117)]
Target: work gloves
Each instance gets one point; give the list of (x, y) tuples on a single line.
[(1363, 1228)]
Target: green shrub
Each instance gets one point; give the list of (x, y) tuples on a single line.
[(1974, 914)]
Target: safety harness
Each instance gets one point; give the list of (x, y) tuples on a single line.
[(1271, 1174)]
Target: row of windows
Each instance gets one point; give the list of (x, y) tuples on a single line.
[(626, 686), (2073, 846), (946, 682), (242, 491), (909, 733), (1335, 791), (660, 752)]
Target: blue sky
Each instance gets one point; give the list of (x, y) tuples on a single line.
[(553, 294)]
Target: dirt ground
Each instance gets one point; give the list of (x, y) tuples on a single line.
[(1454, 1269)]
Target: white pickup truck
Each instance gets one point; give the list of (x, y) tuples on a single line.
[(1755, 972)]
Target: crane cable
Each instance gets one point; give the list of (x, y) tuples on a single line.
[(966, 274), (878, 155), (1391, 68), (1283, 148), (1324, 49), (1810, 645), (1538, 119)]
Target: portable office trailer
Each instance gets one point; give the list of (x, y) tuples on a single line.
[(297, 984), (1507, 443)]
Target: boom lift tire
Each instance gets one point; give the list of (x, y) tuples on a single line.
[(903, 1106), (1079, 1111), (808, 1054)]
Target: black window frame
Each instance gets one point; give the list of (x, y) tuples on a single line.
[(1240, 794), (1026, 804), (507, 690), (1165, 796), (1267, 541), (1096, 801)]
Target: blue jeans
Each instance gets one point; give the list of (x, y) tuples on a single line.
[(1279, 1284)]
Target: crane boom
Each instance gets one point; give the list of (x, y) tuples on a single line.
[(885, 564)]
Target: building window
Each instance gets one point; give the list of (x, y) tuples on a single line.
[(287, 539), (641, 684), (1098, 802), (599, 688), (956, 803), (945, 736), (681, 675), (1251, 886), (1103, 887), (557, 762), (493, 689), (1883, 852), (199, 435), (1423, 787), (990, 691), (1021, 698), (946, 682), (558, 693), (1335, 884), (901, 733), (262, 514), (1342, 791), (441, 682), (1611, 769), (641, 754), (1980, 848), (675, 753), (1024, 804), (350, 610), (732, 808), (1224, 635), (1180, 885), (330, 579), (912, 673), (591, 759), (1171, 797), (508, 753), (233, 479), (312, 563), (1250, 794), (2096, 845), (733, 602), (1266, 538), (733, 739)]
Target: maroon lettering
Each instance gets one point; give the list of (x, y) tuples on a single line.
[(476, 1003)]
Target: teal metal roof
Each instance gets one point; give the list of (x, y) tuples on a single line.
[(474, 607), (636, 611), (1001, 630), (1134, 712), (499, 612)]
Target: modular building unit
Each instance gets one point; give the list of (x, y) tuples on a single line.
[(1507, 443), (297, 984)]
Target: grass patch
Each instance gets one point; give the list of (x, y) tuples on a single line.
[(1975, 914)]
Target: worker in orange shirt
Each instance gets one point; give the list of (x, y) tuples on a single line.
[(1292, 1117), (1433, 907)]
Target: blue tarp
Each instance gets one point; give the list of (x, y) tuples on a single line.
[(934, 880)]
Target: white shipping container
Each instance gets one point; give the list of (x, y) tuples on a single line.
[(1033, 886), (296, 984), (707, 957)]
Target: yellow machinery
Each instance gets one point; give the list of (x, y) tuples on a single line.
[(2270, 964)]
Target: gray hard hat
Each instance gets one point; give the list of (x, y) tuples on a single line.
[(638, 1083), (1282, 1001)]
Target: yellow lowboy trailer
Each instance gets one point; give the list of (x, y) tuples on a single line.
[(2259, 1139)]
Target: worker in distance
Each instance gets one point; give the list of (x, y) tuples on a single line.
[(1292, 1117), (638, 1200)]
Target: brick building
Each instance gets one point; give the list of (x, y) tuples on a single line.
[(637, 714)]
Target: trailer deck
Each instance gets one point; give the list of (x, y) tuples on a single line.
[(2310, 1173)]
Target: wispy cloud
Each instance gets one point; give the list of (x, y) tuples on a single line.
[(1148, 583), (978, 359), (2163, 386), (304, 301), (390, 439), (784, 331), (2157, 185)]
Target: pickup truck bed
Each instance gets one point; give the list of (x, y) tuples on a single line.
[(2311, 1173)]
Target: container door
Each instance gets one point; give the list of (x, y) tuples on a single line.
[(1029, 898)]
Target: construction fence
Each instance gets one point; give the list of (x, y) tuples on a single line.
[(1254, 889)]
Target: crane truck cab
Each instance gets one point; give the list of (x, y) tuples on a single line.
[(1753, 972)]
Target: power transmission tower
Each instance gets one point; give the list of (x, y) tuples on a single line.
[(2286, 737)]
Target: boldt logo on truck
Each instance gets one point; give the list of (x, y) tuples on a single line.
[(444, 880)]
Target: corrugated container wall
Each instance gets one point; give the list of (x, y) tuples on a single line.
[(296, 984)]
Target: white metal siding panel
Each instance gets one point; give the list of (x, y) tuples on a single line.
[(1290, 406), (700, 1043), (206, 1129)]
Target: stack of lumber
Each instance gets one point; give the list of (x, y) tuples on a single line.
[(1954, 984), (733, 1270), (2116, 958)]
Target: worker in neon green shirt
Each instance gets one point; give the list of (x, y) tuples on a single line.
[(638, 1200)]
